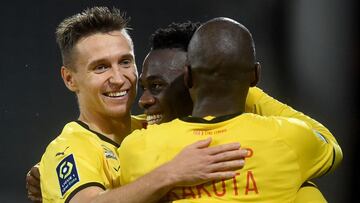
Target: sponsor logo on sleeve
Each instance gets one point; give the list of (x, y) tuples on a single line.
[(67, 174)]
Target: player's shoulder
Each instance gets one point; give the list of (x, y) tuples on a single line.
[(150, 132), (254, 95), (292, 128), (255, 91), (291, 122), (73, 135), (276, 122), (257, 119)]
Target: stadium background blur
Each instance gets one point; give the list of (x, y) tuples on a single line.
[(308, 50)]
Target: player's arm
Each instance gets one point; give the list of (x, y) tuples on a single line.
[(195, 164), (309, 192), (66, 169), (315, 155), (260, 103)]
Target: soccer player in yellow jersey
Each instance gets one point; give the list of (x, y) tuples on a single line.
[(220, 81), (165, 97), (81, 164), (165, 59)]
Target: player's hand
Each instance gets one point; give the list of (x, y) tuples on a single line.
[(199, 163), (33, 184)]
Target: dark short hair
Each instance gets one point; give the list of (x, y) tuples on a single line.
[(175, 35), (90, 21)]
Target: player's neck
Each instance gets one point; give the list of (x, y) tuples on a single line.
[(115, 129), (215, 106)]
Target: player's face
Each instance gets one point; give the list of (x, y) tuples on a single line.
[(164, 96), (105, 74)]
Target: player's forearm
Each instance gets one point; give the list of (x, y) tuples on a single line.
[(147, 189)]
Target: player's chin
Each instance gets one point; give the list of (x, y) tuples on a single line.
[(119, 111)]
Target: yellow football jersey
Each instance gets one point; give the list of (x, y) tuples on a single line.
[(260, 103), (284, 153), (79, 158)]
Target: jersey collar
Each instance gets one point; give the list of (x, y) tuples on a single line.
[(219, 119), (101, 136)]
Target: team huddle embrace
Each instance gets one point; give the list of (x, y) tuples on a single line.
[(208, 134)]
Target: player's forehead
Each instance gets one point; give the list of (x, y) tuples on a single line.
[(103, 46), (164, 62)]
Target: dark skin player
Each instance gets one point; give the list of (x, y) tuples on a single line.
[(164, 96)]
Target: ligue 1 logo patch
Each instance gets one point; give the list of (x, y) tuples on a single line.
[(67, 174)]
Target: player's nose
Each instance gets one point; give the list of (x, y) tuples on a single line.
[(146, 100)]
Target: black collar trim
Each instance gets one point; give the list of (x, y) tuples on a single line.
[(101, 136), (215, 120)]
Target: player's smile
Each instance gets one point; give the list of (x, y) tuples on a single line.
[(116, 94), (164, 96), (153, 118), (106, 74)]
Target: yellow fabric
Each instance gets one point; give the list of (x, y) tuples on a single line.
[(309, 194), (260, 103), (285, 153), (95, 160)]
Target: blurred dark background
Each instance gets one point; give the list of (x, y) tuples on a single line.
[(308, 50)]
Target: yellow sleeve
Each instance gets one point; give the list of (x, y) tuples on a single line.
[(309, 193), (314, 154), (259, 102), (67, 167)]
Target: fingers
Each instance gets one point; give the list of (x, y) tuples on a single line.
[(202, 143), (34, 172), (34, 190), (33, 184), (34, 193), (227, 166), (217, 176), (223, 148), (32, 180), (230, 155), (34, 198)]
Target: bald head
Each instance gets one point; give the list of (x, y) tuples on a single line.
[(221, 58), (222, 46)]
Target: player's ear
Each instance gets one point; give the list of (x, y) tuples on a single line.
[(68, 77), (188, 77), (255, 77)]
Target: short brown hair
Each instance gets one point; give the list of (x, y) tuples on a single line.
[(90, 21)]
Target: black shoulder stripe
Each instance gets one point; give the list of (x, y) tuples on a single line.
[(308, 184), (332, 163), (81, 187), (101, 136)]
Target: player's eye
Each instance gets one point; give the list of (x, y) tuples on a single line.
[(100, 68), (126, 62), (156, 88)]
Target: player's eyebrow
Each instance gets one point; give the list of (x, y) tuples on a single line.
[(154, 77), (99, 61), (104, 60)]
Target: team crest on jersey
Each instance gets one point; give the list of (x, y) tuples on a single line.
[(109, 154), (67, 174)]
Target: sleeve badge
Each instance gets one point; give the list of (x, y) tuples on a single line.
[(67, 174)]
